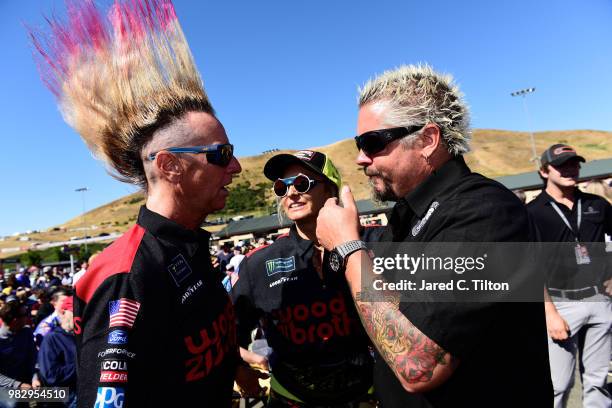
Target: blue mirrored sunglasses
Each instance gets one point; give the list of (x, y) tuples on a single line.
[(218, 154), (302, 184)]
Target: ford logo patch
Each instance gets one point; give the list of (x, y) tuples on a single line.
[(118, 337)]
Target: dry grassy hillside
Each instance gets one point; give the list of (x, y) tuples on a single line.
[(494, 153)]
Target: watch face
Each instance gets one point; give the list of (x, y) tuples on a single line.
[(334, 261)]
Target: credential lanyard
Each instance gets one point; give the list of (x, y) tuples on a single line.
[(566, 221)]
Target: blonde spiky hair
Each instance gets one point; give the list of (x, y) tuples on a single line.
[(416, 94), (119, 78)]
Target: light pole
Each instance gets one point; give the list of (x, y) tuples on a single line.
[(82, 190), (522, 93)]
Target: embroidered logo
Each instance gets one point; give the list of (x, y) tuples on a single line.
[(280, 265), (118, 337), (563, 149), (419, 225), (179, 269), (122, 312), (304, 155), (109, 397)]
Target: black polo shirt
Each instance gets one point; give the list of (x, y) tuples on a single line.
[(596, 221), (502, 347), (321, 350), (154, 327)]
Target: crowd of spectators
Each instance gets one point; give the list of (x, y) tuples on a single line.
[(227, 259), (37, 345)]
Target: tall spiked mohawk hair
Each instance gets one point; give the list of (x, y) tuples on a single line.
[(120, 77)]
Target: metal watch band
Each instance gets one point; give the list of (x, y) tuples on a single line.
[(349, 247)]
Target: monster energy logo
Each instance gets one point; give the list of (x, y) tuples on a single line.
[(280, 265)]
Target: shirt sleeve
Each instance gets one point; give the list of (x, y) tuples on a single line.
[(608, 220), (109, 348)]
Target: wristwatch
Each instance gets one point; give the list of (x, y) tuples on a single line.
[(339, 255)]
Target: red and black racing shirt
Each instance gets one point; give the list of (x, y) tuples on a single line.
[(153, 324)]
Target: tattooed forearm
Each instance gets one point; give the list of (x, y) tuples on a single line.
[(409, 353)]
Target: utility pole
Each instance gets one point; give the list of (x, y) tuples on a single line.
[(523, 93), (82, 190)]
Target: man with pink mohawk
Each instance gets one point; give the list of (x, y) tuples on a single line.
[(153, 324)]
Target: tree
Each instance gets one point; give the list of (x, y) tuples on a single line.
[(31, 258), (243, 197)]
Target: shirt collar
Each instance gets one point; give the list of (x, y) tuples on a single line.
[(302, 244), (547, 198), (185, 239), (436, 185)]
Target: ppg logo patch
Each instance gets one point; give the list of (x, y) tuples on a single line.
[(280, 265), (109, 397), (179, 269), (118, 337)]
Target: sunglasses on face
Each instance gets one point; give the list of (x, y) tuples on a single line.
[(375, 141), (302, 184), (218, 154)]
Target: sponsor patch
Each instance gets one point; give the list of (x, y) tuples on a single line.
[(123, 312), (304, 155), (191, 290), (109, 397), (114, 365), (114, 376), (116, 351), (280, 265), (419, 225), (282, 280), (179, 269), (590, 211), (118, 337), (563, 149)]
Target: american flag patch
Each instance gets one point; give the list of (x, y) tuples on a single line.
[(122, 312)]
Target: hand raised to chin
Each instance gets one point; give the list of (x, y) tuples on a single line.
[(336, 224)]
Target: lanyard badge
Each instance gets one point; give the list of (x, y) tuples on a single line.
[(582, 254), (580, 250)]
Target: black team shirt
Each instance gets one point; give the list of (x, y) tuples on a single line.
[(596, 220), (154, 327), (502, 347), (321, 350)]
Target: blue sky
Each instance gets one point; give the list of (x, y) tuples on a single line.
[(284, 74)]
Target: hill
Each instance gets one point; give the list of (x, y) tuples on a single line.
[(494, 153)]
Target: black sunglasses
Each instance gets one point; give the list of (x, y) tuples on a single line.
[(302, 184), (375, 141), (218, 154)]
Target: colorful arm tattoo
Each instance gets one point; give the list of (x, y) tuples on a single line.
[(410, 354)]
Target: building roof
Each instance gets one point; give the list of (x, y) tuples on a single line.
[(525, 181), (269, 223), (531, 180)]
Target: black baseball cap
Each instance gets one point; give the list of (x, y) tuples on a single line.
[(558, 154), (318, 162)]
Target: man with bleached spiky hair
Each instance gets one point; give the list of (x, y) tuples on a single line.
[(413, 129), (153, 325)]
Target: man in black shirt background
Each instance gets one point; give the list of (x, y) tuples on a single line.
[(413, 129), (578, 307)]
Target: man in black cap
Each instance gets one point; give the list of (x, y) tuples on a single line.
[(577, 291)]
